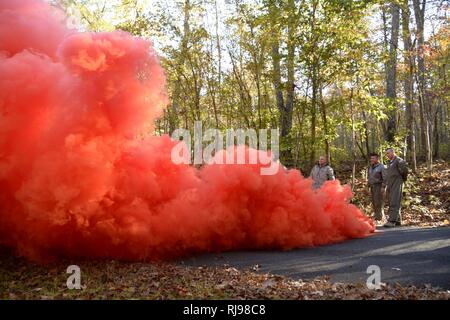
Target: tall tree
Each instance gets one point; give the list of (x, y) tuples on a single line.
[(408, 84), (391, 74), (285, 101), (419, 13), (173, 108)]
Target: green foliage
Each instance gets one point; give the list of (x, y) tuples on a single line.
[(219, 57)]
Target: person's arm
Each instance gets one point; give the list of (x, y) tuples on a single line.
[(383, 177), (402, 169), (330, 174)]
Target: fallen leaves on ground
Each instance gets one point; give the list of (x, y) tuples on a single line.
[(20, 279)]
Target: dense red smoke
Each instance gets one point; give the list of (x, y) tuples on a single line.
[(79, 176)]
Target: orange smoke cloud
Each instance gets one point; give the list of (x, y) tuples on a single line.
[(76, 182)]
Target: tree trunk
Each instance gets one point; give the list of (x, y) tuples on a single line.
[(366, 136), (437, 139), (286, 114), (419, 13), (173, 108), (285, 109), (408, 86), (353, 141), (323, 111), (314, 68), (314, 84), (391, 90)]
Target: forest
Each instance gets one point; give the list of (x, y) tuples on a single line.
[(340, 78), (93, 205)]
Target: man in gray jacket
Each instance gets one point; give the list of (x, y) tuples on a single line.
[(321, 172), (375, 179), (395, 175)]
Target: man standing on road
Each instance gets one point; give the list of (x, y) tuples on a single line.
[(375, 179), (321, 172), (395, 175)]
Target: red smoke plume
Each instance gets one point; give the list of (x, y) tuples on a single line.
[(76, 182)]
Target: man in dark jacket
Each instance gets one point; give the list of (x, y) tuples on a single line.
[(321, 172), (395, 175), (375, 179)]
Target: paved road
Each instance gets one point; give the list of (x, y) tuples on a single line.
[(406, 255)]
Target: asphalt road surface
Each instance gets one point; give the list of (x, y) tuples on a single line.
[(417, 256)]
